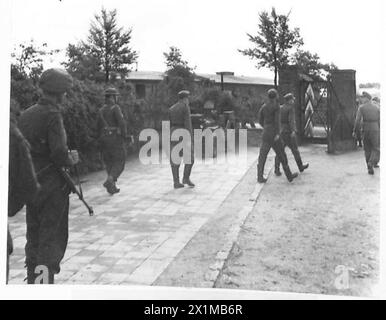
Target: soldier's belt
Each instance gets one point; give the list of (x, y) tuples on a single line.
[(111, 130)]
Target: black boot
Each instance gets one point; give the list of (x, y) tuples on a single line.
[(186, 178), (370, 169), (110, 186), (290, 176), (303, 167), (260, 175), (176, 177)]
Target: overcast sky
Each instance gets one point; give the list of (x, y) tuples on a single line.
[(209, 32)]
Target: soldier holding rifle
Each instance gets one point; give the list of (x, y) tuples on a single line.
[(47, 217)]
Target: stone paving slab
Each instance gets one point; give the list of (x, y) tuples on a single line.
[(137, 233)]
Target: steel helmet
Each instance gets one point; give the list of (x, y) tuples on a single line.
[(55, 81), (111, 92)]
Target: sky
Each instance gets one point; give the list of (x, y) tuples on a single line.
[(209, 33)]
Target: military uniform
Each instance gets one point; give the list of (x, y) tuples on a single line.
[(288, 128), (269, 119), (180, 118), (370, 114), (47, 216), (22, 182), (112, 133)]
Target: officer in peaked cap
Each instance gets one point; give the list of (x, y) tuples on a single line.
[(47, 215), (179, 115), (369, 113), (112, 133), (288, 132), (269, 119)]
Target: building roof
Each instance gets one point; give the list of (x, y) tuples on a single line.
[(146, 75), (158, 76)]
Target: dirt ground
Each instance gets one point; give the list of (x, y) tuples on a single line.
[(318, 235)]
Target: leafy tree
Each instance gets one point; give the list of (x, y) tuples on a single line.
[(107, 49), (179, 75), (273, 42), (174, 59), (310, 64), (81, 64), (27, 60)]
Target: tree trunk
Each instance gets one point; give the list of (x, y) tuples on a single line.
[(276, 74)]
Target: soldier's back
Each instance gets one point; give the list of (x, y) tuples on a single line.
[(177, 114), (371, 116)]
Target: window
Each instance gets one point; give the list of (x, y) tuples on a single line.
[(140, 91)]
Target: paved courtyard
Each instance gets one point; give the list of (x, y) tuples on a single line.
[(228, 232), (137, 233)]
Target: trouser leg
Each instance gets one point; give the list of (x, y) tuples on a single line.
[(9, 251), (118, 163), (279, 150), (108, 160), (375, 148), (367, 147), (293, 145), (47, 233), (264, 150)]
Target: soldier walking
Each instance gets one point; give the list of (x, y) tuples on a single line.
[(288, 133), (47, 216), (112, 134), (179, 115), (269, 119), (370, 114)]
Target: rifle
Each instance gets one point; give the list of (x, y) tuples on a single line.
[(73, 189)]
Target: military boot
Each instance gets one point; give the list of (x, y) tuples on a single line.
[(110, 186), (186, 178), (290, 176), (370, 169), (277, 167), (176, 177), (303, 167), (260, 175)]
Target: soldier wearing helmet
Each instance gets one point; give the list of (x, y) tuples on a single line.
[(288, 133), (47, 216), (112, 132), (269, 119)]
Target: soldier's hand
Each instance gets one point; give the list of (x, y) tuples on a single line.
[(293, 134), (354, 135), (74, 156), (277, 137)]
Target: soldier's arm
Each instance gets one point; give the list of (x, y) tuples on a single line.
[(358, 119), (188, 119), (57, 141), (292, 121), (261, 116), (121, 120)]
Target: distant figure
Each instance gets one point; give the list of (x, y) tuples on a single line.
[(358, 132), (369, 113), (179, 115), (22, 183), (112, 134), (376, 101), (288, 133), (269, 119)]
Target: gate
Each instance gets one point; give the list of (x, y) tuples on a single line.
[(323, 117)]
